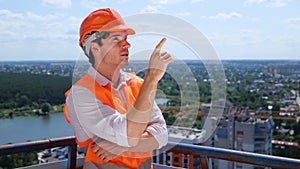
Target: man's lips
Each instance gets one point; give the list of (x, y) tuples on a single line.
[(125, 54)]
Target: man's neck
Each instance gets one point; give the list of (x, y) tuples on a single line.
[(111, 74)]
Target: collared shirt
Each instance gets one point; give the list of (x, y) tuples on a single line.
[(89, 117)]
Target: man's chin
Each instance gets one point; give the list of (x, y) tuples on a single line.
[(124, 63)]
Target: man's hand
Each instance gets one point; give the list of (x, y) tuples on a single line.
[(107, 151), (158, 62)]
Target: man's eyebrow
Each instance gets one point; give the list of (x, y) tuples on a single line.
[(118, 34)]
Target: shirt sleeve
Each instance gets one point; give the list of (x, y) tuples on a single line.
[(96, 118), (157, 126)]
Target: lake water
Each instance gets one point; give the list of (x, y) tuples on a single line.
[(21, 129)]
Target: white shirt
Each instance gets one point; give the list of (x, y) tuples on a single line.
[(89, 117)]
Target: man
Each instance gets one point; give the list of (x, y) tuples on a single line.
[(112, 112)]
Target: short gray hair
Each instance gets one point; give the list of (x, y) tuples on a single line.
[(93, 37)]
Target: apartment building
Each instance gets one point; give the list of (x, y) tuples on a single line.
[(237, 130)]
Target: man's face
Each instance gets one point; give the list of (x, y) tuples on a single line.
[(114, 50)]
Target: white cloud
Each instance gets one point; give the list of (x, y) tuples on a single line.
[(6, 14), (256, 1), (12, 21), (294, 20), (48, 17), (224, 16), (50, 37), (247, 31), (184, 14), (293, 23), (58, 3), (23, 27), (277, 3), (89, 4), (165, 2), (255, 19), (196, 1), (247, 36), (55, 26), (11, 16), (8, 36), (150, 8), (120, 1), (268, 3), (15, 26)]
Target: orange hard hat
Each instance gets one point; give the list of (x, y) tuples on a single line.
[(107, 20)]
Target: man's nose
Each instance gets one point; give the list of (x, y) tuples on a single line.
[(125, 44)]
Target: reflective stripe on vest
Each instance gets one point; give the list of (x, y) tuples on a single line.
[(111, 98)]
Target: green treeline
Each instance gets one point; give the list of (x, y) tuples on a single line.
[(25, 92), (18, 160)]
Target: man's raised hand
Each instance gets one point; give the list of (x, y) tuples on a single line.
[(158, 62)]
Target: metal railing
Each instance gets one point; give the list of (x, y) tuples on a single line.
[(204, 152), (44, 144)]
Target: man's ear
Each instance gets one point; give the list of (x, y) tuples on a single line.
[(94, 48)]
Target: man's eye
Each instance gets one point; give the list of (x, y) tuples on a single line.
[(117, 38)]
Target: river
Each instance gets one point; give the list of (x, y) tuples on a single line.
[(22, 129)]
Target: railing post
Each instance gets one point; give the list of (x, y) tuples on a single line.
[(204, 162), (191, 161), (72, 156)]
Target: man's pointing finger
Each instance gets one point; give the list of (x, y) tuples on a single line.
[(160, 44)]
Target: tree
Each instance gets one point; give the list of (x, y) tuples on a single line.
[(46, 108), (276, 107), (170, 119), (23, 101)]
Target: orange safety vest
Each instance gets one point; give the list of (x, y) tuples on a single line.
[(111, 98)]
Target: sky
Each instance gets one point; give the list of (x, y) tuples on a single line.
[(234, 29)]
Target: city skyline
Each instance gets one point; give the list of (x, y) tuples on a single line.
[(243, 30)]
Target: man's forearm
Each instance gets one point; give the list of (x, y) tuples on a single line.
[(139, 115), (107, 150), (146, 143)]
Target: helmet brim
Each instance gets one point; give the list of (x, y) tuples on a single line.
[(119, 28)]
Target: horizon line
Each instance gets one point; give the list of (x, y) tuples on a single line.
[(70, 60)]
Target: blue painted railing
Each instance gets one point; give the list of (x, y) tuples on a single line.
[(204, 152)]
